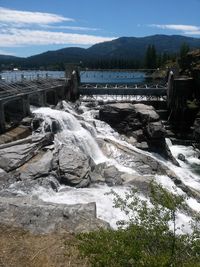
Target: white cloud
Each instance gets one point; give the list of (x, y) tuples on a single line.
[(25, 28), (25, 37), (193, 32), (73, 28), (27, 17), (185, 29), (178, 27)]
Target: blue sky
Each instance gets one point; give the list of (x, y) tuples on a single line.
[(30, 27)]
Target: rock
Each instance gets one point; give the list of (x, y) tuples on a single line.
[(116, 113), (139, 135), (146, 113), (15, 154), (42, 217), (74, 166), (42, 167), (196, 131), (139, 121), (5, 179), (112, 176), (36, 122), (141, 183), (155, 130), (27, 121), (26, 187), (181, 157), (142, 145)]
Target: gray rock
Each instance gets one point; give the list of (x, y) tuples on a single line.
[(112, 176), (141, 183), (156, 130), (146, 113), (74, 166), (26, 187), (5, 179), (181, 157), (139, 135), (41, 217), (15, 154), (42, 167), (142, 145)]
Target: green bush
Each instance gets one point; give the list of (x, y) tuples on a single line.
[(146, 239)]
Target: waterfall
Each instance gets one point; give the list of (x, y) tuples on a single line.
[(71, 131)]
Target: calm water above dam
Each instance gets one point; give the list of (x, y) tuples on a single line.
[(135, 77)]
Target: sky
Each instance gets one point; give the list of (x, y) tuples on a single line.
[(29, 27)]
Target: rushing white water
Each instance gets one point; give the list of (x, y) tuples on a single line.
[(71, 131), (83, 131)]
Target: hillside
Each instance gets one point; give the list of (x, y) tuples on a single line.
[(130, 48)]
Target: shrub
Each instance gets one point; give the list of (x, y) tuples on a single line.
[(146, 239)]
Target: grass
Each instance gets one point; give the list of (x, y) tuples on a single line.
[(19, 248)]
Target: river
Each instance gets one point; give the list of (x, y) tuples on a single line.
[(84, 131)]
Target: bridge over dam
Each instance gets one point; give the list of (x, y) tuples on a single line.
[(122, 89), (16, 98)]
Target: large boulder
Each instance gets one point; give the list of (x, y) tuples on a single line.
[(42, 217), (74, 166), (146, 113), (139, 121), (112, 176), (116, 114), (39, 168), (15, 154)]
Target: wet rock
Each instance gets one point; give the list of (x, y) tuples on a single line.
[(42, 217), (141, 122), (156, 130), (181, 157), (22, 188), (141, 183), (112, 176), (36, 122), (142, 145), (74, 166)]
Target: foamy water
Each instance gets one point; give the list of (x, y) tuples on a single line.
[(72, 130)]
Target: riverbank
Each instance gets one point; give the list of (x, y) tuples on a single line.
[(20, 248)]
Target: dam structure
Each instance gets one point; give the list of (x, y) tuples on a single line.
[(17, 97)]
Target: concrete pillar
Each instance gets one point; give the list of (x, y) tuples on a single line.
[(74, 93), (42, 99), (25, 106), (180, 92), (2, 118)]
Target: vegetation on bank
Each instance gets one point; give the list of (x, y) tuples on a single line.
[(150, 237)]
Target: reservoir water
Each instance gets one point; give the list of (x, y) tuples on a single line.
[(134, 77)]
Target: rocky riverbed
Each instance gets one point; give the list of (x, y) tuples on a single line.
[(73, 147)]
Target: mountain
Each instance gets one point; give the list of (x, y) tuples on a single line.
[(131, 48), (135, 47)]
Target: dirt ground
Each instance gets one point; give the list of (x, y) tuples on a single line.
[(19, 248)]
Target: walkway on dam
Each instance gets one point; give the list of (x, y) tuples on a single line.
[(13, 90), (122, 89)]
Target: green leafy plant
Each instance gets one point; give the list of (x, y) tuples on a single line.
[(148, 238)]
